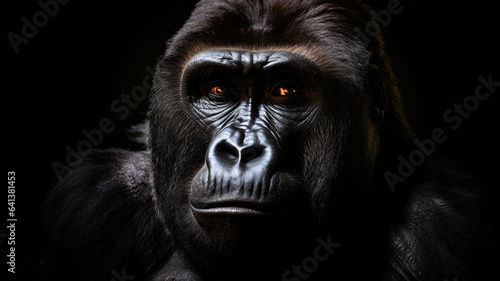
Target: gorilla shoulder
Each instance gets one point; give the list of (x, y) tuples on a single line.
[(104, 208), (112, 170), (440, 221)]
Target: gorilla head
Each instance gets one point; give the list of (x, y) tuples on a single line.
[(266, 126)]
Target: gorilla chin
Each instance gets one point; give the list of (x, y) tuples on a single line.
[(242, 207), (248, 221)]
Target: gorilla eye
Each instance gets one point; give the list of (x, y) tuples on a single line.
[(219, 90), (285, 91), (286, 88)]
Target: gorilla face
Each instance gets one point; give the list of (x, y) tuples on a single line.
[(261, 130), (253, 103)]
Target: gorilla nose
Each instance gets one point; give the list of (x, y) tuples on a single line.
[(226, 150), (243, 149)]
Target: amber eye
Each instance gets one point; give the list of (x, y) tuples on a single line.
[(286, 88), (220, 90), (286, 91)]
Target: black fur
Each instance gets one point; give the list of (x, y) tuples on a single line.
[(101, 217), (120, 210)]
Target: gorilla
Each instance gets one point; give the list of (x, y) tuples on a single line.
[(271, 125)]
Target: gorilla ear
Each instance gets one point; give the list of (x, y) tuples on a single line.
[(378, 94)]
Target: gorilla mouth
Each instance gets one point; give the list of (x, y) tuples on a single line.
[(248, 199), (234, 205), (232, 208)]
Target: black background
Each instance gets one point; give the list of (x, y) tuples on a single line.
[(66, 77)]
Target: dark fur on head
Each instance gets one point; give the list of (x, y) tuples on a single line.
[(341, 141)]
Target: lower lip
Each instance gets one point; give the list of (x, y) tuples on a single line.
[(229, 211)]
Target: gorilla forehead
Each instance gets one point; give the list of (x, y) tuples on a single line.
[(248, 62)]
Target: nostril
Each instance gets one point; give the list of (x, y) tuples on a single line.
[(225, 150), (251, 152), (236, 152)]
